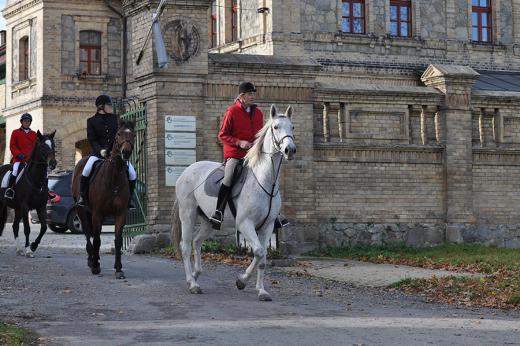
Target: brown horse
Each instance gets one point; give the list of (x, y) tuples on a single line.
[(108, 195)]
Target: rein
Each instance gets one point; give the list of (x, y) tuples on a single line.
[(277, 146)]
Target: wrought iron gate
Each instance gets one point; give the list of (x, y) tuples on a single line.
[(136, 219)]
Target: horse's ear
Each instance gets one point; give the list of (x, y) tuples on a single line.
[(39, 134), (288, 112), (273, 112), (52, 134)]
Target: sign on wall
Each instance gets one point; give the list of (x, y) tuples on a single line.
[(180, 142)]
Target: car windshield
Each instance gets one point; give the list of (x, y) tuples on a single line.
[(60, 185)]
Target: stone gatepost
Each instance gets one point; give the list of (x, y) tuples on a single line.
[(177, 90), (455, 82)]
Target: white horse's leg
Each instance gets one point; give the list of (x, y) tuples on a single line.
[(248, 231), (203, 234), (188, 225), (264, 236)]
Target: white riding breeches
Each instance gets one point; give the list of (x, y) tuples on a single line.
[(88, 166), (132, 175), (16, 166)]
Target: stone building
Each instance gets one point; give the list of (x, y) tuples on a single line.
[(405, 111)]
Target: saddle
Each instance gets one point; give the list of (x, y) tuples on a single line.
[(5, 178), (95, 169), (214, 180)]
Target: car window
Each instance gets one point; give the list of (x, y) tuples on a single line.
[(60, 185)]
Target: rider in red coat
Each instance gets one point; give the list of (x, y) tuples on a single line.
[(237, 133), (21, 146)]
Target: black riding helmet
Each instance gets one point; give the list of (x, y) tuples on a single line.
[(246, 87), (102, 100), (26, 116)]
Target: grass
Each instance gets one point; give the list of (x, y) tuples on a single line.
[(11, 335), (210, 246), (475, 258), (498, 288)]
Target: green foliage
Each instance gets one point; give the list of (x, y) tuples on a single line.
[(14, 336), (485, 259)]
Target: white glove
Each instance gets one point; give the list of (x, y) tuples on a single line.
[(104, 153)]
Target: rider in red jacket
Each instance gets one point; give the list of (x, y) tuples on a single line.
[(237, 133), (21, 146)]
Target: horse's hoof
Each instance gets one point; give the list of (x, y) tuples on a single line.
[(120, 275), (264, 297), (195, 290), (29, 254), (33, 247), (19, 252), (95, 270), (240, 284)]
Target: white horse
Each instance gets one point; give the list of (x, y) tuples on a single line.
[(257, 205)]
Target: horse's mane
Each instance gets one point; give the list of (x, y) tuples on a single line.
[(253, 155)]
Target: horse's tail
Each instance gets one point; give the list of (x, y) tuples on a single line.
[(176, 229), (3, 217)]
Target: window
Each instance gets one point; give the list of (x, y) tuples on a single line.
[(481, 20), (90, 52), (213, 25), (353, 16), (23, 59), (234, 20), (401, 18)]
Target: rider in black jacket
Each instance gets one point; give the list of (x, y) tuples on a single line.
[(101, 134)]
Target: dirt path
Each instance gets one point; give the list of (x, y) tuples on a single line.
[(55, 295)]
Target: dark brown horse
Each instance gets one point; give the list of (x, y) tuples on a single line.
[(31, 192), (108, 194)]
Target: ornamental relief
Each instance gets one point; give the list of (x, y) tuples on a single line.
[(182, 40)]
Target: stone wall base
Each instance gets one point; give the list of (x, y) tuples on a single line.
[(415, 235)]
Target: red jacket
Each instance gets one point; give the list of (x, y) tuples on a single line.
[(239, 125), (22, 143)]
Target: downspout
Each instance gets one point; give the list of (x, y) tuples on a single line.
[(124, 44)]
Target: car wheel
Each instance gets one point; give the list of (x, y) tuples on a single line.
[(58, 228), (74, 222)]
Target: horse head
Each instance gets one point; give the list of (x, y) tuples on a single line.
[(45, 149), (125, 138), (282, 132)]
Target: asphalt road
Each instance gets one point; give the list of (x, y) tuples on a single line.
[(55, 295)]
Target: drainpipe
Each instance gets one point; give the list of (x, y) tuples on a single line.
[(124, 48)]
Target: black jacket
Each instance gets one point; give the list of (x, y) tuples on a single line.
[(101, 132)]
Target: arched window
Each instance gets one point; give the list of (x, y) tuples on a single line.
[(401, 18), (23, 58), (481, 21), (90, 52), (353, 16)]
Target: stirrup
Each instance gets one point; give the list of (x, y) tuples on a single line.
[(9, 193), (216, 219), (81, 203)]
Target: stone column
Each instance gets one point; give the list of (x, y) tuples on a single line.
[(424, 130), (455, 82), (326, 134)]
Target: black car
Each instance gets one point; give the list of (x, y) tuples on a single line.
[(61, 214)]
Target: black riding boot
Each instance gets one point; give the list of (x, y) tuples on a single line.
[(218, 216), (131, 184), (9, 192), (83, 190)]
